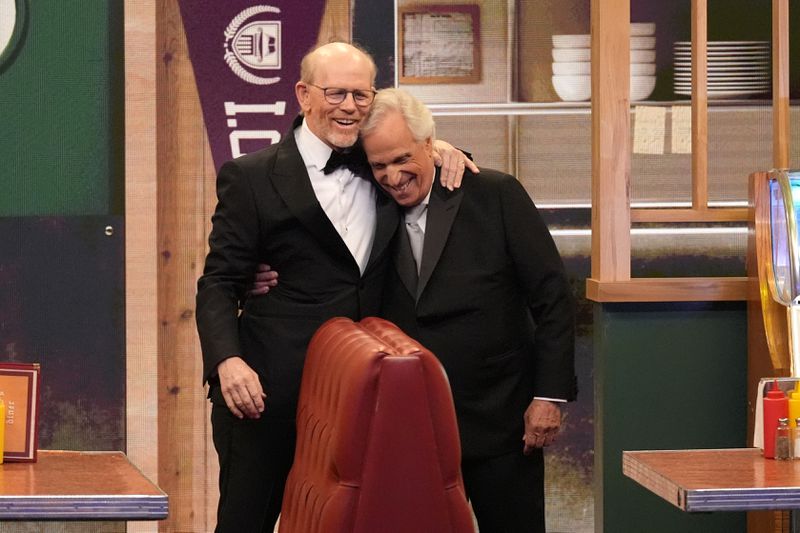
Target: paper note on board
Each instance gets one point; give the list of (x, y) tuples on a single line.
[(681, 129), (649, 129)]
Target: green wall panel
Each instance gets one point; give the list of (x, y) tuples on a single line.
[(667, 376), (61, 109)]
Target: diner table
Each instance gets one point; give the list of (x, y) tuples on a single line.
[(79, 485), (737, 479)]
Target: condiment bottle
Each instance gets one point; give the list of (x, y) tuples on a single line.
[(776, 406), (783, 440), (794, 404)]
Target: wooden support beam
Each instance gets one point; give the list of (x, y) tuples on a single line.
[(780, 84), (611, 159), (699, 104)]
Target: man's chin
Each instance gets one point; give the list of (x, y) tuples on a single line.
[(403, 201), (344, 141)]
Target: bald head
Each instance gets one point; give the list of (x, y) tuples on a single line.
[(326, 53), (327, 73)]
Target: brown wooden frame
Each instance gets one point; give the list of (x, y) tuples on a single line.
[(612, 215), (470, 9)]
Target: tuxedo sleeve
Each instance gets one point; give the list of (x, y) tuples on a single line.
[(547, 291), (229, 267)]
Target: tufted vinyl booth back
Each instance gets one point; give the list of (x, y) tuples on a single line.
[(377, 441)]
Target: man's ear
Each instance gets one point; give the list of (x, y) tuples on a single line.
[(302, 93), (429, 146)]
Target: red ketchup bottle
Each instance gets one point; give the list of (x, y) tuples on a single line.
[(776, 406)]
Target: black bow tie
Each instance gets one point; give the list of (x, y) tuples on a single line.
[(355, 160)]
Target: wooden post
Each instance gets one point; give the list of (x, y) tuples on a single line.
[(780, 84), (611, 220), (141, 302), (699, 105)]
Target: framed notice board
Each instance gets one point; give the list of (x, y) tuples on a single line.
[(440, 44)]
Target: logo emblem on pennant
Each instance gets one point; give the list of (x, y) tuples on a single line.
[(253, 44), (12, 18)]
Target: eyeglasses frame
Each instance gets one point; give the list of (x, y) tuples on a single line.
[(346, 92)]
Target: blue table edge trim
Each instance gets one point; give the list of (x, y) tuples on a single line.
[(144, 507)]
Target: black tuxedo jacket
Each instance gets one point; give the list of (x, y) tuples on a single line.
[(492, 303), (267, 213)]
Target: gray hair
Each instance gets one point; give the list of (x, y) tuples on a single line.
[(416, 114)]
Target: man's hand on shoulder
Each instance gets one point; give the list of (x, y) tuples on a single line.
[(241, 388), (452, 160), (542, 423)]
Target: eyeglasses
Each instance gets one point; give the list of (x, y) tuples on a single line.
[(335, 95)]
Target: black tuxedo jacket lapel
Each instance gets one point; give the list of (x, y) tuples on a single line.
[(442, 209), (290, 179), (387, 219)]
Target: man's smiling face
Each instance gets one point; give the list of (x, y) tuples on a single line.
[(341, 68), (402, 166)]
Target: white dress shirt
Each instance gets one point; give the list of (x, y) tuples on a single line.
[(347, 199)]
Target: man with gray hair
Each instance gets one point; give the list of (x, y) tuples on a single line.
[(477, 279)]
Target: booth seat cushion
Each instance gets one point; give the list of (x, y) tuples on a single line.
[(377, 444)]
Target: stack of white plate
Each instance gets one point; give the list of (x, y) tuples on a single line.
[(735, 69), (572, 65)]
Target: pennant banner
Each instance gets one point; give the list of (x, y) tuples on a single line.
[(246, 59)]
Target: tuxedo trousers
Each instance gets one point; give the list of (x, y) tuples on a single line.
[(255, 456), (507, 491)]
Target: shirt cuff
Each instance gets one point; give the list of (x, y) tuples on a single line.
[(556, 400)]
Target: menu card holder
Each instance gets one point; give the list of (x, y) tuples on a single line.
[(19, 389)]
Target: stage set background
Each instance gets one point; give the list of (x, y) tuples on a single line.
[(108, 187)]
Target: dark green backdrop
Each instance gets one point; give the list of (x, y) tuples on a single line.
[(667, 376), (62, 294)]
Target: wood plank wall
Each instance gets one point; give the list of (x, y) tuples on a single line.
[(141, 302), (185, 468), (169, 200)]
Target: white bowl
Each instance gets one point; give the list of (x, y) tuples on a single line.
[(643, 69), (643, 56), (572, 54), (642, 87), (643, 28), (643, 43), (573, 88), (579, 88), (572, 41), (572, 68)]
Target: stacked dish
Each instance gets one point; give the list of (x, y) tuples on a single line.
[(735, 69), (572, 65), (643, 60)]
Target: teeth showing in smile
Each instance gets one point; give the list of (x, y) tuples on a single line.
[(345, 122), (403, 187)]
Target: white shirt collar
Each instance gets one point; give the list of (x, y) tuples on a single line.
[(313, 150), (412, 213), (419, 213)]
